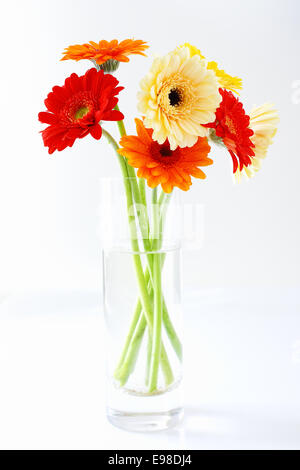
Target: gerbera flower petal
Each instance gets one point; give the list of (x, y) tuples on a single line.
[(144, 134), (96, 131), (159, 164), (135, 144), (225, 80), (76, 108), (263, 122), (167, 187), (47, 118), (197, 173), (113, 115), (105, 50)]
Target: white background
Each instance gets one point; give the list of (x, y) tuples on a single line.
[(49, 234)]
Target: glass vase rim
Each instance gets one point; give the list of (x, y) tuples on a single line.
[(125, 250)]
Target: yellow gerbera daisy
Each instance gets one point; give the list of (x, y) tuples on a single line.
[(263, 122), (177, 96), (225, 80), (193, 49)]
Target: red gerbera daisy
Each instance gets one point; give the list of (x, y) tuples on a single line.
[(76, 108), (232, 125)]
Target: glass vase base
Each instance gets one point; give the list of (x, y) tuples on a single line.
[(145, 422)]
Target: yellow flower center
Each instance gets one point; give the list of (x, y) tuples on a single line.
[(81, 112), (230, 124)]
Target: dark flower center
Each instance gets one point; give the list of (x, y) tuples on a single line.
[(165, 150), (175, 97), (163, 154)]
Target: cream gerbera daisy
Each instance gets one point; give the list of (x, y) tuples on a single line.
[(225, 80), (177, 96), (263, 122)]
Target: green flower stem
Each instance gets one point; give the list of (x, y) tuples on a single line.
[(142, 186), (143, 199), (145, 299), (132, 353), (123, 373), (121, 160), (140, 199), (142, 214), (156, 337), (121, 125), (149, 352), (171, 332), (164, 201), (132, 344), (135, 319), (128, 367)]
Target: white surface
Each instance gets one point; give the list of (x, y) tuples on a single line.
[(49, 205), (243, 348), (242, 373)]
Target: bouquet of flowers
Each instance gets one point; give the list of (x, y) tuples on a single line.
[(187, 104)]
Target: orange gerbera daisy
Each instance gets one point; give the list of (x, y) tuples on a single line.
[(103, 51), (158, 164)]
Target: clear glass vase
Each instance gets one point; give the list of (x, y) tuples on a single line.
[(142, 306)]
